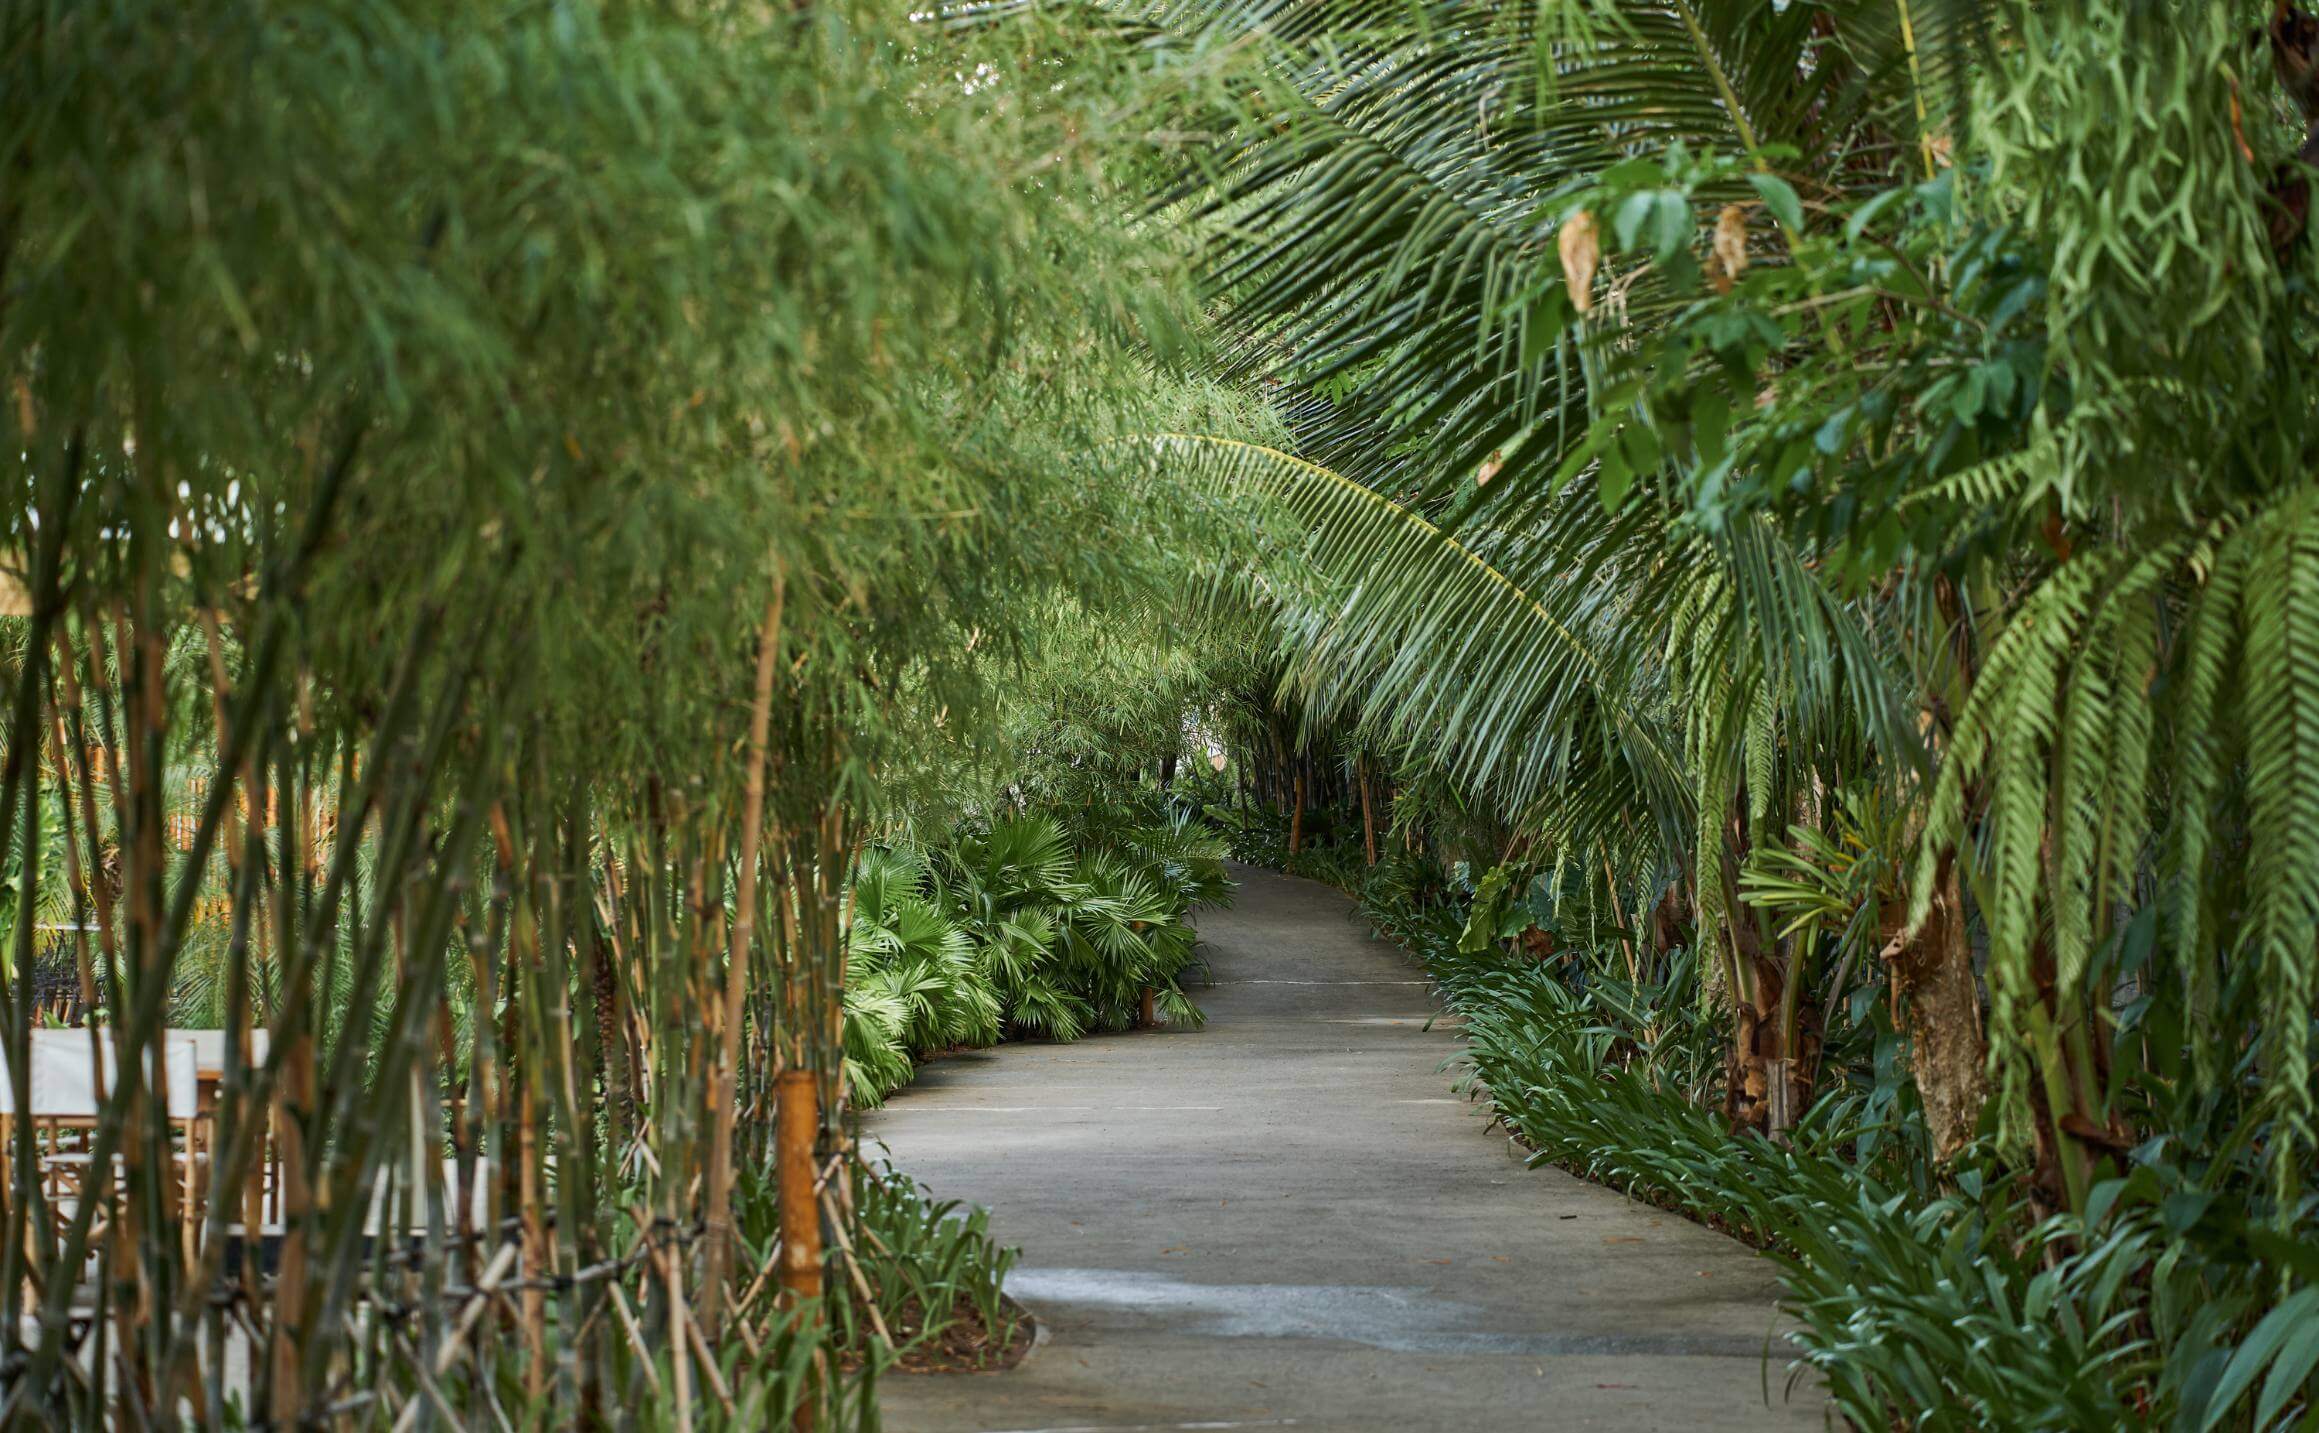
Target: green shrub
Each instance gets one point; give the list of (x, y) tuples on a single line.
[(1935, 1302), (1029, 925)]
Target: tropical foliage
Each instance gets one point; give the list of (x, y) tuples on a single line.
[(1023, 925), (1830, 488), (1948, 1302), (611, 578)]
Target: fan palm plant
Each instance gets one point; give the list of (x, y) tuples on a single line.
[(914, 984), (1073, 934), (1004, 883)]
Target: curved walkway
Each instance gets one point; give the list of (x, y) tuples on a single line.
[(1284, 1220)]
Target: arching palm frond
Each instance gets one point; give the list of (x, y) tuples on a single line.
[(1528, 679), (1384, 233)]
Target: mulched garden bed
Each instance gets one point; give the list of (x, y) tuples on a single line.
[(965, 1345)]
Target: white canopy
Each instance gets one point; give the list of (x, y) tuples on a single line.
[(66, 1065)]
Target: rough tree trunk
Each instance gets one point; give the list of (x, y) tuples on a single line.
[(1938, 1006), (1769, 1068), (1368, 818)]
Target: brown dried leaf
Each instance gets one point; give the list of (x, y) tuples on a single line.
[(1730, 246), (1581, 249)]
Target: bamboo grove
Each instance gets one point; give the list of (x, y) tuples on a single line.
[(482, 540)]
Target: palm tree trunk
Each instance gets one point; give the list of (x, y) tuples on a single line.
[(1774, 1029), (1940, 1011), (1932, 971), (1368, 819)]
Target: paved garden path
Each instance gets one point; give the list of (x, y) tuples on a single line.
[(1285, 1220)]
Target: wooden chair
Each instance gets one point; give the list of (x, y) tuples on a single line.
[(71, 1074), (261, 1204)]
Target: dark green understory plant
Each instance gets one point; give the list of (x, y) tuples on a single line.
[(1050, 926), (1943, 1303)]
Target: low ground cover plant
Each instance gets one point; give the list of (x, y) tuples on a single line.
[(1927, 1294)]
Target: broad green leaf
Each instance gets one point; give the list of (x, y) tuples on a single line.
[(1780, 198)]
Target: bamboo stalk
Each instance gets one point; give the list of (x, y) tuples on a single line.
[(672, 1270), (853, 1266), (799, 1122), (718, 1255), (644, 1359), (709, 1370)]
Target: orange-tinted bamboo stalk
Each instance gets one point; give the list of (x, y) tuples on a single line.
[(798, 1126), (718, 1255)]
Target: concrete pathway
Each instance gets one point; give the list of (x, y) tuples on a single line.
[(1285, 1220)]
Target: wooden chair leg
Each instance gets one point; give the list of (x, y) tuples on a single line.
[(187, 1181)]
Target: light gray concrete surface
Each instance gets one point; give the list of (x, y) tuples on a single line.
[(1285, 1220)]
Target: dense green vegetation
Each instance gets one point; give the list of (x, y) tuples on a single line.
[(512, 502), (1023, 925), (1812, 508), (614, 577), (1949, 1299)]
